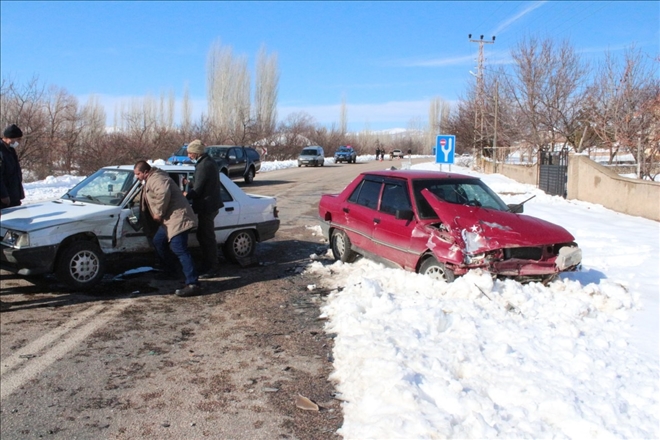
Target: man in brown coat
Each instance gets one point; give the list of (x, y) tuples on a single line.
[(168, 207)]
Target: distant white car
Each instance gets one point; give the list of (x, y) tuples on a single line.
[(396, 153), (72, 236)]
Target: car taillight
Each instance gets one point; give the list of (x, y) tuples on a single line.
[(276, 212)]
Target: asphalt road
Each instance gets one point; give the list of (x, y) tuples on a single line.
[(132, 360)]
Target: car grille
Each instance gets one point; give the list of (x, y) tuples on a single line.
[(523, 253)]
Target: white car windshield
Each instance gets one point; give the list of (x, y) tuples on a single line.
[(104, 187)]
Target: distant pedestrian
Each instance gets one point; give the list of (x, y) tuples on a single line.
[(11, 176), (164, 202), (377, 153), (206, 202)]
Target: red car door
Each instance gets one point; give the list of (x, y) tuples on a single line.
[(392, 235), (359, 211)]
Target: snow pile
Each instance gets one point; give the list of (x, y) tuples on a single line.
[(477, 358)]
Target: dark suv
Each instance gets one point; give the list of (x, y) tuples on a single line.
[(236, 161), (345, 153)]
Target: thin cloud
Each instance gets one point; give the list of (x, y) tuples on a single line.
[(452, 61), (611, 48), (518, 16)]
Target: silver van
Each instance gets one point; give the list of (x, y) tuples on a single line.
[(311, 156)]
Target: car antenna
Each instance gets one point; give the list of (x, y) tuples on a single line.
[(525, 201)]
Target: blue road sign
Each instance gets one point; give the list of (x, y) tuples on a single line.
[(444, 148)]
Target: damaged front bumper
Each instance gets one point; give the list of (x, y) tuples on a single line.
[(28, 261)]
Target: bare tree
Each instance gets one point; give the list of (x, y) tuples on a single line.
[(62, 130), (544, 86), (186, 111), (240, 123), (92, 127), (295, 132), (621, 100), (438, 122), (266, 93), (219, 86), (329, 138), (22, 104), (139, 119), (166, 110), (461, 122), (343, 115)]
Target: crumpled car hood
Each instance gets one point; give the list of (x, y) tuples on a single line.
[(485, 229), (37, 216)]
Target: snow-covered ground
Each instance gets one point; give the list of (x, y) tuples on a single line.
[(477, 358)]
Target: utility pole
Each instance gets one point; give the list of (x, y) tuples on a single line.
[(481, 98), (495, 134)]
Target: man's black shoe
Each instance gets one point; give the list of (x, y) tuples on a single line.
[(189, 290)]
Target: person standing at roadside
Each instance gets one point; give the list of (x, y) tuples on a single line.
[(11, 176), (163, 201), (206, 202)]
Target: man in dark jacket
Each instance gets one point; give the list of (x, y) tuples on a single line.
[(11, 176), (206, 202)]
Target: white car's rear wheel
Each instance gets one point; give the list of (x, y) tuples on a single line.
[(239, 245)]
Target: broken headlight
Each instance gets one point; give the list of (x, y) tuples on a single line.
[(474, 259), (16, 239)]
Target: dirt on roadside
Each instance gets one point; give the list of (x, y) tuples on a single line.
[(229, 363)]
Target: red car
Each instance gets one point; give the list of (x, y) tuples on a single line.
[(442, 225)]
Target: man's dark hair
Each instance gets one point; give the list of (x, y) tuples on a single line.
[(142, 166)]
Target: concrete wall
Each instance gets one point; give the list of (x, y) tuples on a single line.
[(520, 173), (594, 183), (591, 182)]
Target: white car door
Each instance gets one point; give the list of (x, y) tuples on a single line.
[(228, 217), (129, 234)]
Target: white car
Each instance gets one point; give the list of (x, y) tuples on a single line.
[(72, 236)]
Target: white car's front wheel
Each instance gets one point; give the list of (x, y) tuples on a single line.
[(81, 265)]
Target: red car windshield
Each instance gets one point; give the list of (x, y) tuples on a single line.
[(472, 192)]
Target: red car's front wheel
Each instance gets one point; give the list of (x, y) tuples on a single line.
[(436, 270)]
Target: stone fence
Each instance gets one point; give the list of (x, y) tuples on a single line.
[(591, 182), (594, 183), (520, 173)]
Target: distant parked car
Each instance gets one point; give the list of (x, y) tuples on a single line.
[(396, 153), (345, 153), (443, 225), (98, 218), (179, 156), (311, 156), (236, 161)]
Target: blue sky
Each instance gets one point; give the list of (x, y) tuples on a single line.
[(388, 59)]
